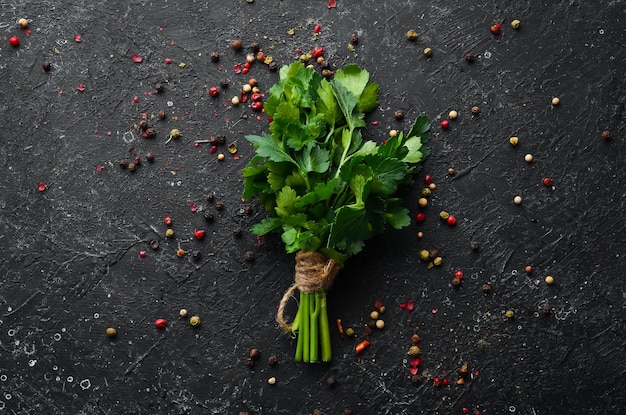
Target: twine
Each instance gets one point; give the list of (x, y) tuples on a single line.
[(314, 272)]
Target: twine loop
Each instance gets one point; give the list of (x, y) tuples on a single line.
[(314, 272)]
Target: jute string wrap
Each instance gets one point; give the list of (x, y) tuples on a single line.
[(314, 272)]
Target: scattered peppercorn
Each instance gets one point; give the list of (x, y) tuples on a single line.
[(486, 289), (469, 58), (219, 205), (248, 256), (556, 101), (549, 280), (411, 34), (255, 47), (509, 314), (183, 312), (422, 202), (515, 24), (438, 261), (546, 181), (474, 246), (208, 216), (111, 332), (514, 141), (272, 380), (415, 338), (456, 282), (14, 41), (398, 114), (331, 381), (154, 244), (496, 28), (517, 200), (350, 332), (123, 163), (160, 323), (354, 38), (380, 324), (453, 114), (416, 379), (46, 66), (196, 255), (428, 52), (169, 233), (546, 309), (132, 166), (236, 44), (528, 158), (150, 157), (606, 134), (528, 269), (158, 88), (194, 321), (414, 351), (180, 252), (272, 360), (475, 110)]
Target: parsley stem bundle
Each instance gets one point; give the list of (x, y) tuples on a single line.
[(325, 188)]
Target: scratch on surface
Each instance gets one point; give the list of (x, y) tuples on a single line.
[(472, 167), (18, 308), (134, 365)]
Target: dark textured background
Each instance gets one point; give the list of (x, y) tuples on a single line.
[(70, 265)]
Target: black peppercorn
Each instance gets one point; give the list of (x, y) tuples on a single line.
[(272, 360), (606, 134), (398, 114), (456, 282), (347, 411), (123, 163), (151, 132), (47, 66), (354, 38), (150, 157), (219, 205), (197, 255), (208, 216), (154, 244), (272, 66), (215, 56), (158, 88), (143, 125), (131, 166), (469, 58), (331, 381), (474, 246), (224, 83), (162, 115), (210, 196), (415, 378), (249, 256), (248, 209), (546, 309), (221, 139), (255, 47), (255, 354), (486, 288)]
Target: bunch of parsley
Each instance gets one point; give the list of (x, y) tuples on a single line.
[(324, 187)]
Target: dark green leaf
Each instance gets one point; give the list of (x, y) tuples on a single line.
[(267, 146), (266, 226)]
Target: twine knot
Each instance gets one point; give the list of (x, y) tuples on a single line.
[(314, 272)]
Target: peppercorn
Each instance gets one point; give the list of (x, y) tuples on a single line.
[(428, 52), (453, 114), (272, 360), (426, 192), (469, 58), (234, 101), (46, 66), (398, 114), (546, 309), (416, 378), (169, 233), (197, 255), (208, 216), (438, 261), (556, 101), (194, 321), (331, 381), (150, 157), (380, 324), (509, 314), (219, 205), (349, 332), (248, 256), (158, 88), (180, 252), (486, 289), (451, 171), (111, 332), (354, 38), (143, 125), (183, 312), (517, 200), (255, 47), (463, 370), (514, 141), (215, 56), (272, 66), (606, 134), (327, 73), (549, 280), (132, 166), (528, 269), (475, 110), (456, 282), (224, 83), (515, 24), (175, 133), (411, 34), (347, 411), (415, 338), (528, 158), (154, 244), (255, 354), (474, 246), (414, 351), (433, 254), (272, 380), (151, 132), (444, 215), (236, 44), (424, 255), (123, 163)]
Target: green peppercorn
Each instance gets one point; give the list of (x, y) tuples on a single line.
[(350, 332), (194, 321), (414, 351), (424, 255), (411, 34), (444, 215), (426, 192)]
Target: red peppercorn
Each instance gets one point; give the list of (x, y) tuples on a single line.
[(437, 381), (317, 28), (465, 410), (160, 323), (199, 234), (168, 61), (137, 160), (14, 41), (458, 274), (256, 106), (214, 91), (245, 70), (445, 124), (445, 382), (317, 52), (496, 28), (167, 220), (256, 96), (428, 179), (546, 181), (451, 221), (143, 254), (420, 217)]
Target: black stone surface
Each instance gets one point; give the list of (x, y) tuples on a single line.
[(70, 263)]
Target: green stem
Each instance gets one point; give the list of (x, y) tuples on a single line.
[(296, 322), (324, 333), (314, 337), (300, 341), (305, 321)]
